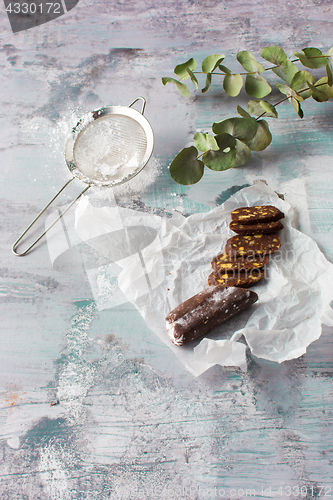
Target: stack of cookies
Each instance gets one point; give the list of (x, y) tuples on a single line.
[(246, 253)]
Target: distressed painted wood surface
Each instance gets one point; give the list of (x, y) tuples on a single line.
[(93, 405)]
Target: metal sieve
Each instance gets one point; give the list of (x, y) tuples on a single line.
[(107, 147)]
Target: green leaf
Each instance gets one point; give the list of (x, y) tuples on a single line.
[(269, 109), (249, 62), (186, 168), (286, 70), (257, 86), (312, 58), (167, 79), (317, 94), (180, 69), (289, 91), (224, 69), (225, 141), (329, 75), (193, 78), (300, 81), (203, 142), (243, 129), (232, 84), (225, 157), (324, 87), (208, 82), (242, 112), (182, 89), (274, 54), (257, 108), (296, 105), (329, 53), (243, 154), (211, 62), (262, 139)]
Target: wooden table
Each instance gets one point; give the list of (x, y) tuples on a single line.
[(93, 404)]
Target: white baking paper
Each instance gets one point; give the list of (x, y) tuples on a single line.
[(161, 262)]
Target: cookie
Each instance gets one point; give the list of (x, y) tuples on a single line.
[(254, 215), (243, 278), (226, 264), (252, 245), (259, 227)]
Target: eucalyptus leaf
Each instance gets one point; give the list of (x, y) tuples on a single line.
[(242, 112), (312, 58), (257, 108), (243, 154), (208, 83), (317, 94), (274, 54), (300, 81), (182, 89), (211, 62), (243, 129), (262, 139), (288, 91), (225, 157), (193, 78), (256, 86), (224, 69), (225, 141), (249, 62), (329, 75), (167, 79), (324, 87), (203, 142), (180, 69), (297, 107), (232, 84), (329, 53), (186, 168), (286, 70)]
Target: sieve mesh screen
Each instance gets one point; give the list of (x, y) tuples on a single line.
[(110, 149)]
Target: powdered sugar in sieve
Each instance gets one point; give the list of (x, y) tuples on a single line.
[(111, 149)]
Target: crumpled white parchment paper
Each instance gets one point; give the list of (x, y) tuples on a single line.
[(162, 262)]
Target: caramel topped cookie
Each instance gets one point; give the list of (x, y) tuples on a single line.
[(243, 278), (254, 228), (254, 215), (252, 245), (226, 264)]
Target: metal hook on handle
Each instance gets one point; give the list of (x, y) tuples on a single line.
[(143, 103), (14, 247)]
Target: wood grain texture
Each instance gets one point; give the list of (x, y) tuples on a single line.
[(93, 405)]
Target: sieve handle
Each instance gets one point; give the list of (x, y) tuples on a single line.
[(143, 103), (14, 247)]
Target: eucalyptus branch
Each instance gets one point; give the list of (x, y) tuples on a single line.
[(235, 138)]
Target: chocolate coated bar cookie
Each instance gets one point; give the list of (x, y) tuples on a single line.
[(255, 228), (255, 244), (244, 278), (205, 310), (253, 215), (226, 264)]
